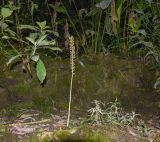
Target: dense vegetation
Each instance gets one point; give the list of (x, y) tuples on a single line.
[(123, 27)]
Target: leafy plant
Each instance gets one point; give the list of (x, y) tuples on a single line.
[(90, 39), (113, 113), (35, 41), (143, 129), (96, 113)]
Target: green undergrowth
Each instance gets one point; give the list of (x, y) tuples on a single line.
[(88, 133)]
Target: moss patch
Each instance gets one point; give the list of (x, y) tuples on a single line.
[(93, 134), (97, 77)]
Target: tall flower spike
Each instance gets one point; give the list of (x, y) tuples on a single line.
[(72, 53), (72, 62)]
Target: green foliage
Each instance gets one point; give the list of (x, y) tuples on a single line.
[(103, 4), (126, 28), (143, 129), (35, 41), (112, 114), (6, 12), (96, 113), (41, 71)]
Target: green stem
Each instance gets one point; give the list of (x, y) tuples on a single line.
[(98, 30), (82, 27), (70, 20)]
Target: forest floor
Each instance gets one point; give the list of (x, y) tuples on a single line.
[(34, 126)]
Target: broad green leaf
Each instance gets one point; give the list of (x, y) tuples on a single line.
[(3, 25), (5, 37), (131, 23), (35, 58), (11, 3), (41, 38), (9, 21), (103, 4), (11, 32), (157, 83), (42, 25), (138, 11), (51, 6), (52, 43), (56, 49), (147, 44), (93, 12), (27, 27), (15, 8), (60, 9), (31, 40), (36, 6), (33, 7), (47, 43), (150, 1), (43, 43), (142, 31), (6, 12), (138, 25), (41, 71), (60, 21), (12, 59), (119, 10), (56, 34), (81, 12), (89, 32), (33, 36)]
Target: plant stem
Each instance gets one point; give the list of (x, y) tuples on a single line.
[(98, 30), (72, 23), (70, 100), (81, 24), (72, 62)]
